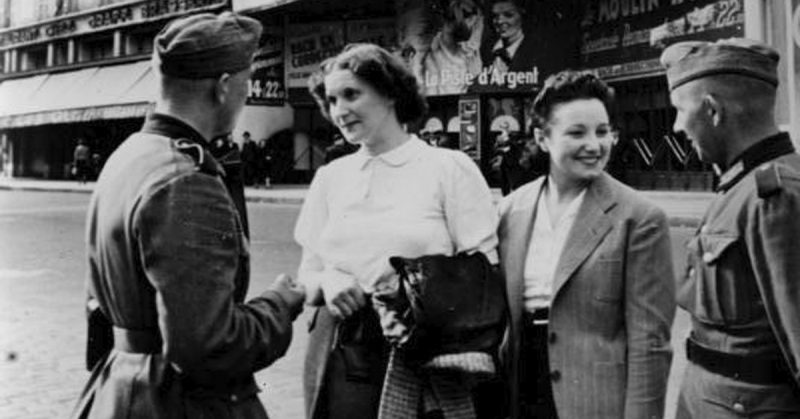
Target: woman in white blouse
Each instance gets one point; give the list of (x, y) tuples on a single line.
[(588, 272), (396, 196)]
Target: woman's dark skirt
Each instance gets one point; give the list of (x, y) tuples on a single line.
[(536, 388)]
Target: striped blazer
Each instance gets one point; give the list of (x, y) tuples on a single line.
[(612, 307)]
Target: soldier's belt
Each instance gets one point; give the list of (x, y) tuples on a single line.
[(751, 369), (137, 341), (148, 341)]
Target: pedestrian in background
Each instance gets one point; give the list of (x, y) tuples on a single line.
[(81, 163), (168, 257), (395, 196), (263, 163), (249, 159), (588, 270), (96, 165), (741, 286)]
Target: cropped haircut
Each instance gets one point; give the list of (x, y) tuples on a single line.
[(566, 86), (386, 73)]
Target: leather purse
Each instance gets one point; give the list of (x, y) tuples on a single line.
[(455, 304)]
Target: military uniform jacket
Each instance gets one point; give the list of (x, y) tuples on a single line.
[(167, 255), (742, 285)]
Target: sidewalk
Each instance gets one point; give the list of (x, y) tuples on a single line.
[(685, 209)]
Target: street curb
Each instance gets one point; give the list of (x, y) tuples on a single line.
[(680, 221), (257, 199), (274, 200), (42, 189)]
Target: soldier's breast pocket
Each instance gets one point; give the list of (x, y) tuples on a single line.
[(723, 287)]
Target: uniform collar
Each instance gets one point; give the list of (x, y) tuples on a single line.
[(393, 158), (763, 151), (169, 126)]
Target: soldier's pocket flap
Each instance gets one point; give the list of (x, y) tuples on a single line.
[(714, 246)]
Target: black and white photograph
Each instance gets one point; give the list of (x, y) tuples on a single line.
[(393, 209)]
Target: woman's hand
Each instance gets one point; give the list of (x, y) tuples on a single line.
[(343, 295)]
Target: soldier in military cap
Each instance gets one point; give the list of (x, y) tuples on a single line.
[(742, 284), (167, 254)]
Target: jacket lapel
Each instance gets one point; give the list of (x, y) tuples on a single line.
[(592, 223), (515, 251)]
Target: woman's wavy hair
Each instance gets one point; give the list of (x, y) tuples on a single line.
[(379, 68), (566, 86)]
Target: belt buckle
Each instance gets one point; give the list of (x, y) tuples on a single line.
[(540, 316)]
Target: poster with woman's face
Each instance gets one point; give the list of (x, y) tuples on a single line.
[(460, 46)]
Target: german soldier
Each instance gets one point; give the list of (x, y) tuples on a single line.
[(741, 286), (168, 258)]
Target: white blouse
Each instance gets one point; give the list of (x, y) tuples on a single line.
[(544, 250), (411, 201)]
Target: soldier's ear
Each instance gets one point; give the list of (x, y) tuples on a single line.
[(221, 89), (714, 109)]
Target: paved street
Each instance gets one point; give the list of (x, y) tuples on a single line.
[(42, 329)]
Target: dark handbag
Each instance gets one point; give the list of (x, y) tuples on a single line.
[(99, 336), (455, 304)]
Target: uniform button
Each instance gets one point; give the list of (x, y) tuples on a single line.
[(708, 257), (738, 407), (234, 398), (555, 375), (552, 337)]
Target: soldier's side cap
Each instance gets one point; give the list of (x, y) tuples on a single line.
[(206, 45), (692, 60)]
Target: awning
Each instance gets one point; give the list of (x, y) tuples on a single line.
[(112, 92)]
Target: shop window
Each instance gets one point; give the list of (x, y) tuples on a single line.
[(140, 42), (44, 9), (63, 7), (4, 13), (60, 53), (649, 155), (93, 4), (96, 48), (32, 58)]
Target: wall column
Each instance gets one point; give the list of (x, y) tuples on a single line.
[(117, 43)]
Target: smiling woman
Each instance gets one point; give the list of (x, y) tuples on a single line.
[(588, 262), (396, 196)]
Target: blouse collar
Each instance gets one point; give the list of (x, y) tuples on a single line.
[(396, 157)]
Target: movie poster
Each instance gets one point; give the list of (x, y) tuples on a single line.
[(464, 46), (624, 39), (308, 45), (266, 84)]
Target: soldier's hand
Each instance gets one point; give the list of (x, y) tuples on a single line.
[(343, 295), (292, 292)]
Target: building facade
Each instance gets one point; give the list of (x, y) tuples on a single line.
[(79, 69), (76, 69)]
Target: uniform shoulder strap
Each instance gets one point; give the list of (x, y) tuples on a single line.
[(203, 160), (768, 180)]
